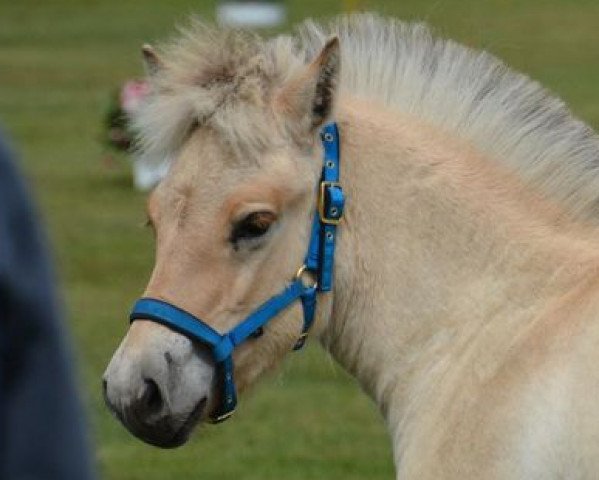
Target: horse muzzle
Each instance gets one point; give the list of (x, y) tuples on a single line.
[(159, 384)]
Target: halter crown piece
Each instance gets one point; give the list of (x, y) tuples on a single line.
[(319, 262)]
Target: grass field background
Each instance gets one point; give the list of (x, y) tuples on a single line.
[(59, 60)]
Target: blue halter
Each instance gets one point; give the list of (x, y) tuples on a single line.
[(319, 261)]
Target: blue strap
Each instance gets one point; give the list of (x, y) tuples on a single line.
[(266, 311), (321, 252), (222, 344), (325, 283), (175, 317), (228, 402), (309, 307), (330, 144), (312, 260)]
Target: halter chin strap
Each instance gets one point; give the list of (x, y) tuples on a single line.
[(319, 262)]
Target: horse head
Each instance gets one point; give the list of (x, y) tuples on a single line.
[(231, 220)]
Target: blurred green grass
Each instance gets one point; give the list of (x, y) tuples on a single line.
[(59, 60)]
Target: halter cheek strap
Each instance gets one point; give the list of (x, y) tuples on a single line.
[(319, 262)]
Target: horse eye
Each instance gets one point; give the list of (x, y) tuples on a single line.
[(254, 225)]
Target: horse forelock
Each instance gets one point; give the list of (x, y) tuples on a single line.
[(223, 79)]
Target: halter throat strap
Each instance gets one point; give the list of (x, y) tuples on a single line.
[(319, 262)]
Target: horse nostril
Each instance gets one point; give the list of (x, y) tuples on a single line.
[(152, 398), (104, 387)]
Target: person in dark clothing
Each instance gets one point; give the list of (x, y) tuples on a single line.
[(42, 434)]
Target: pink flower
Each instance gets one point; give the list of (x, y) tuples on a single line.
[(132, 94)]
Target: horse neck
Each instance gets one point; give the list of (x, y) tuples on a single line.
[(442, 259)]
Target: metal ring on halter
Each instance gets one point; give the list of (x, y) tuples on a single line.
[(299, 276)]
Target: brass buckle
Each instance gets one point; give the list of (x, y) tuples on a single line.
[(323, 218)]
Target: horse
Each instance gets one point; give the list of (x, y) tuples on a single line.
[(466, 270)]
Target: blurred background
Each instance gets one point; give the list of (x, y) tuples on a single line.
[(60, 63)]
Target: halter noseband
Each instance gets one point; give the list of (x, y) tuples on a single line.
[(319, 261)]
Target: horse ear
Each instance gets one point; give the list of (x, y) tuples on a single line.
[(152, 61), (310, 98)]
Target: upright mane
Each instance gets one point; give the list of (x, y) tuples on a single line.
[(511, 118), (505, 114)]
